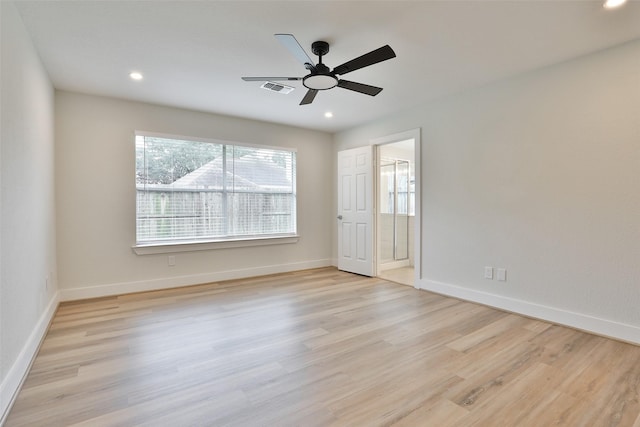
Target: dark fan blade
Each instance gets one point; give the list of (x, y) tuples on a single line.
[(264, 79), (359, 87), (373, 57), (308, 98), (294, 47)]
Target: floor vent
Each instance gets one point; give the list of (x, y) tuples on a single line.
[(277, 87)]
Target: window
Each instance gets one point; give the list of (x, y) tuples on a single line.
[(203, 191)]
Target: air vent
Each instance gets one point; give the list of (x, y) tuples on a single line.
[(277, 87)]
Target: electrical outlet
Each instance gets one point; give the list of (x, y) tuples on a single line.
[(171, 260), (488, 272), (502, 274)]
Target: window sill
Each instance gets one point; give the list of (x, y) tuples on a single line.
[(163, 248)]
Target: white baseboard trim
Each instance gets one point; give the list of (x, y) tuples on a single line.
[(583, 322), (180, 281), (16, 375)]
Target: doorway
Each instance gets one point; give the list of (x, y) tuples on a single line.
[(396, 210)]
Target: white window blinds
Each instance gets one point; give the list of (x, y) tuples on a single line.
[(194, 191)]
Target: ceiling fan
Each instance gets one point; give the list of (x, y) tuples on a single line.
[(320, 77)]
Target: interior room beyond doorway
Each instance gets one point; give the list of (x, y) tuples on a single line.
[(396, 211)]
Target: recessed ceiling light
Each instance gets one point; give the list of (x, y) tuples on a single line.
[(135, 75), (328, 114), (612, 4)]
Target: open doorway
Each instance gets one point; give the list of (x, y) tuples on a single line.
[(396, 211)]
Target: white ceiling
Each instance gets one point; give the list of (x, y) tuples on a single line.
[(192, 54)]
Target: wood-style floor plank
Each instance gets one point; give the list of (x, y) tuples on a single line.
[(320, 348)]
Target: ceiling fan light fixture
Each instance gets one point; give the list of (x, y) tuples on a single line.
[(320, 81)]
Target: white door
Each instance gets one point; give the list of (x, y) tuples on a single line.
[(355, 210)]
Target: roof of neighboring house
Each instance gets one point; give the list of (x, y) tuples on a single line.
[(245, 173)]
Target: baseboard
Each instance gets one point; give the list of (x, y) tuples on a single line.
[(179, 281), (16, 375), (584, 322)]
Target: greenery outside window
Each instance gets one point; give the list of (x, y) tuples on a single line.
[(191, 191)]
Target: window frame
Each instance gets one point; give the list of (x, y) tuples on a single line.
[(188, 245)]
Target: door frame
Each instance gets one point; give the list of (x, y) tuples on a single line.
[(389, 139)]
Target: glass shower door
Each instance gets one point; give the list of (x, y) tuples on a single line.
[(394, 211), (401, 244)]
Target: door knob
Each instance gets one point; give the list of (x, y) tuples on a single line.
[(339, 216)]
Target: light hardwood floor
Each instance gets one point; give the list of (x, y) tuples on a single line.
[(320, 348), (403, 275)]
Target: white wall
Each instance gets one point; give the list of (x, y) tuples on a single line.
[(95, 191), (539, 174), (27, 221)]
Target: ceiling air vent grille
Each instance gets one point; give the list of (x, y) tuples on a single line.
[(277, 87)]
